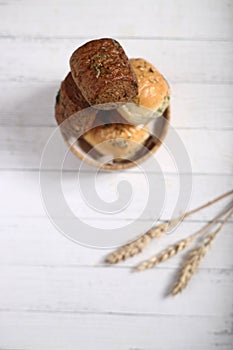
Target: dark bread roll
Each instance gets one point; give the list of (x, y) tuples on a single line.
[(59, 109), (103, 73), (72, 108), (62, 121), (66, 126)]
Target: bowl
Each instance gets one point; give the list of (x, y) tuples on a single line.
[(158, 129)]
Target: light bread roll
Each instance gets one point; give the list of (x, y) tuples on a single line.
[(117, 140), (153, 94)]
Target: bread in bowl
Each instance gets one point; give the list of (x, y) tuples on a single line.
[(103, 73), (71, 110), (153, 94), (117, 140)]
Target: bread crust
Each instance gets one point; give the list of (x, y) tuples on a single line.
[(103, 73), (117, 140), (153, 94), (72, 108), (153, 88)]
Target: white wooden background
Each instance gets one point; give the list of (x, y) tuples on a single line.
[(55, 294)]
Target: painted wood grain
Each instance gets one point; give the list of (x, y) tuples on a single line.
[(34, 241), (22, 148), (180, 61), (26, 201), (80, 289), (56, 294), (193, 105), (200, 19), (126, 332)]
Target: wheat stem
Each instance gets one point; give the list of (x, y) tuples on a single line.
[(195, 257), (203, 206), (178, 246)]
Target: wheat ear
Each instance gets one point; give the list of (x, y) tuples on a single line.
[(136, 246), (178, 246), (195, 257)]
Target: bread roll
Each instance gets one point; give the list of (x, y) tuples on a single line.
[(117, 140), (103, 73), (153, 94), (72, 108)]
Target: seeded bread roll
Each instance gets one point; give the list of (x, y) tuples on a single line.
[(72, 107), (103, 73), (153, 94), (117, 140)]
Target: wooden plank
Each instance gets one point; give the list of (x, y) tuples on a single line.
[(193, 105), (208, 19), (90, 289), (22, 148), (126, 332), (59, 295), (26, 190), (180, 61), (27, 241)]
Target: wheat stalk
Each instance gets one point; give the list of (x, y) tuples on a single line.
[(195, 257), (135, 247), (178, 246), (213, 201)]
